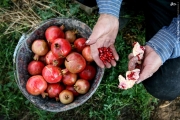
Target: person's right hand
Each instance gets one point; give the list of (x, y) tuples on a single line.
[(103, 35)]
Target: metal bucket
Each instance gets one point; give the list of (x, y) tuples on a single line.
[(23, 55)]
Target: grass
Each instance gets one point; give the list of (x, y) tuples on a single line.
[(108, 102)]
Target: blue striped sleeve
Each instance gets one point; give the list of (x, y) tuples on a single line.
[(109, 7), (166, 42)]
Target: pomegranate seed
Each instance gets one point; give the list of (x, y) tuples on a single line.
[(105, 54)]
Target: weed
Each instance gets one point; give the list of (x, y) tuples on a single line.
[(108, 102)]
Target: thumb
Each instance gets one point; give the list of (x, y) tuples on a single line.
[(93, 38), (146, 73)]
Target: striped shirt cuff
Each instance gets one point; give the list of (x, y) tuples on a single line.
[(111, 7), (166, 42)]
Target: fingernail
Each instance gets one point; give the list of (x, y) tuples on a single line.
[(88, 41)]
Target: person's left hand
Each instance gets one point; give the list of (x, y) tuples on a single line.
[(150, 63)]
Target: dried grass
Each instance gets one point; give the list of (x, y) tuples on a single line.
[(22, 15)]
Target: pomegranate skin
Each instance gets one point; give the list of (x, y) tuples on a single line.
[(80, 44), (88, 73), (39, 48), (54, 90), (50, 59), (53, 32), (52, 74), (36, 85), (61, 48), (69, 78), (35, 67), (75, 62), (82, 86), (86, 53), (66, 96)]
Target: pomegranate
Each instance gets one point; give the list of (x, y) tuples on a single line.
[(69, 78), (39, 48), (36, 85), (88, 73), (125, 84), (138, 51), (70, 35), (133, 74), (86, 53), (82, 86), (35, 67), (53, 32), (52, 74), (75, 62), (131, 78), (66, 96), (52, 60), (80, 44), (54, 90), (71, 88), (60, 48)]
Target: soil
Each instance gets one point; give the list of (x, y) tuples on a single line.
[(171, 112)]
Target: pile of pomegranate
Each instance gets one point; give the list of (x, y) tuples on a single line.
[(62, 67)]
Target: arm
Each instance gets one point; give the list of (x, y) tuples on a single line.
[(167, 41), (111, 7), (164, 45), (105, 31)]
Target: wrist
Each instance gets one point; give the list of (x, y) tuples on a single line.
[(109, 7), (109, 16)]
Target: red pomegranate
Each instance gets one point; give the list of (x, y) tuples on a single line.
[(75, 62)]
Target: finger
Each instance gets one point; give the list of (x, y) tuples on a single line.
[(95, 55), (107, 64), (93, 37), (115, 54), (146, 73), (131, 55), (90, 41), (113, 63), (132, 63)]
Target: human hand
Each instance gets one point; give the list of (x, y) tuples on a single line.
[(149, 65), (103, 35)]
